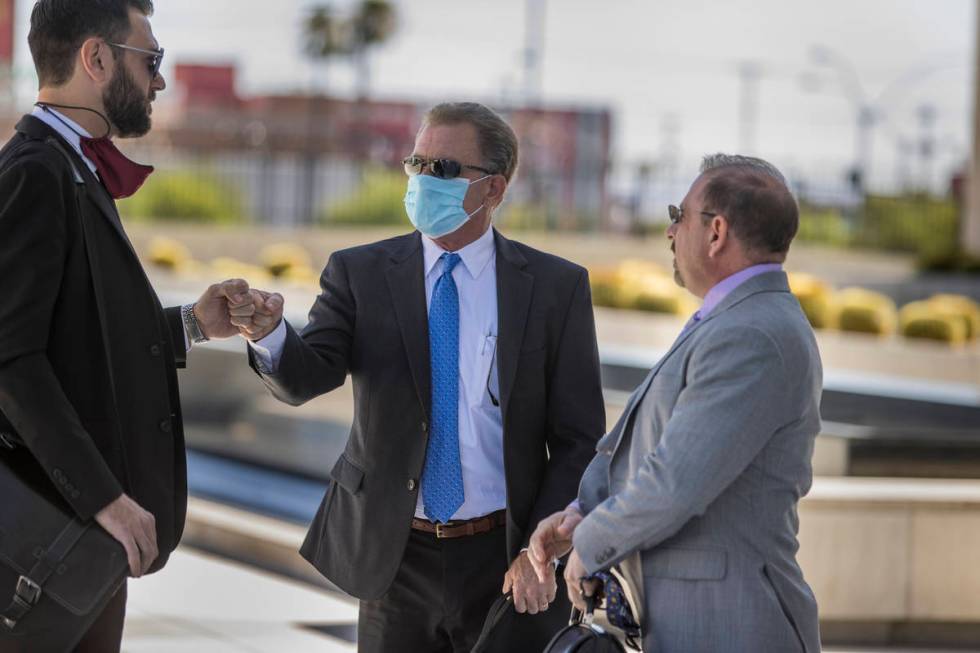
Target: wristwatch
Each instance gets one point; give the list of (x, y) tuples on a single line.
[(191, 326)]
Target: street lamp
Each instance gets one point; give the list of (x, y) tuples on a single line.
[(868, 112), (865, 113)]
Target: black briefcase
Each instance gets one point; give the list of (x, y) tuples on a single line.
[(66, 570), (581, 635)]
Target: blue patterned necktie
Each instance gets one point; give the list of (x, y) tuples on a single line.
[(442, 476)]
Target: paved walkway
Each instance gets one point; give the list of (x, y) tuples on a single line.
[(203, 604)]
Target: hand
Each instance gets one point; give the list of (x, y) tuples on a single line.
[(135, 529), (574, 573), (530, 594), (264, 318), (552, 539), (215, 307)]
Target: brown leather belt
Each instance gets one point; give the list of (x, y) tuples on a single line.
[(462, 528)]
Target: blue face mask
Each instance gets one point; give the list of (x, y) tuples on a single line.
[(435, 206)]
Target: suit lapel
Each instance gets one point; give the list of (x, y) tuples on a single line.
[(94, 190), (766, 282), (514, 290), (406, 283), (98, 195), (624, 422)]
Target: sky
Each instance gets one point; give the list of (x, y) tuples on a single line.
[(668, 70)]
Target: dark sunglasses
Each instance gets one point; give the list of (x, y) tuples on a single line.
[(676, 214), (441, 168), (155, 59)]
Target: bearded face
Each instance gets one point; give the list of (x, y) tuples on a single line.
[(127, 105)]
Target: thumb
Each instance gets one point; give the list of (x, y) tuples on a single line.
[(274, 303), (568, 524), (508, 583), (234, 289), (536, 551)]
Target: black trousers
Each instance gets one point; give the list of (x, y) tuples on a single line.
[(104, 635), (440, 598)]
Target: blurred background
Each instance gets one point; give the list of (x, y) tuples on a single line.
[(278, 140)]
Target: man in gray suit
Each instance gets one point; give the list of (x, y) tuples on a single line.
[(700, 479)]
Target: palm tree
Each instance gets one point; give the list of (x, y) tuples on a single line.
[(327, 36), (324, 35), (372, 24)]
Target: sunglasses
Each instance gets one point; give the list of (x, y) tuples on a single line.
[(155, 59), (441, 168), (676, 214)]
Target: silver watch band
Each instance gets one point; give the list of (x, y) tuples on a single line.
[(190, 324)]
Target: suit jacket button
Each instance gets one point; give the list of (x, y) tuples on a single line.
[(165, 425), (425, 427), (411, 484), (154, 349)]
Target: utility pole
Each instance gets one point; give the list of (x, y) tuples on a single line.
[(749, 73), (970, 223), (927, 145), (534, 20), (866, 113)]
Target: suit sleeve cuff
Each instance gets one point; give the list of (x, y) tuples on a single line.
[(100, 490), (268, 350), (594, 546)]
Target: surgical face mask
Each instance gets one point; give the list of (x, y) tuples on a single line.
[(435, 206)]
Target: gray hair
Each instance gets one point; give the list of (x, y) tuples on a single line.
[(720, 160), (498, 142), (753, 196)]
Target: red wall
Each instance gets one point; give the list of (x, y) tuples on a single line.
[(6, 31)]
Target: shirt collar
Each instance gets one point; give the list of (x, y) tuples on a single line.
[(65, 130), (475, 256), (727, 285)]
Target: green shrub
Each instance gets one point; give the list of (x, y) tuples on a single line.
[(909, 223), (186, 196), (523, 217), (865, 311), (950, 260), (823, 225), (605, 288), (961, 308), (378, 200), (816, 299), (933, 320)]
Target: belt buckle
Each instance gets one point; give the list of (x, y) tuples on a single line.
[(28, 590), (439, 531)]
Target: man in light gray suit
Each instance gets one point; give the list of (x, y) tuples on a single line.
[(699, 480)]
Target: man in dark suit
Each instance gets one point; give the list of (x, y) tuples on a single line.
[(88, 357), (477, 400)]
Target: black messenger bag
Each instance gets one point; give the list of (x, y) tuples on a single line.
[(63, 566)]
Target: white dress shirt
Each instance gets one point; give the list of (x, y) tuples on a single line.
[(481, 441), (44, 115)]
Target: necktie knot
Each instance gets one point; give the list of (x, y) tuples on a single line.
[(694, 319), (449, 261)]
